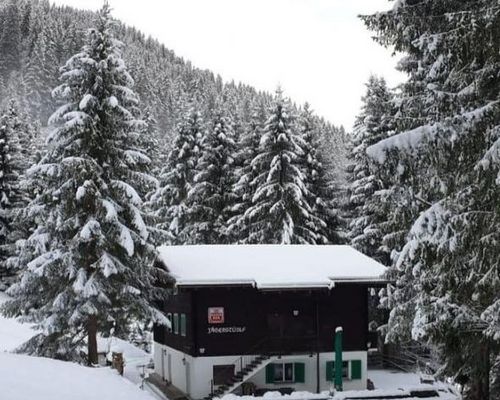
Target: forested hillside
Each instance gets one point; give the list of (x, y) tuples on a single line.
[(37, 38)]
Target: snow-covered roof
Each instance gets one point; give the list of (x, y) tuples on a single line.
[(269, 266)]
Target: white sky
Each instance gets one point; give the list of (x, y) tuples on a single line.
[(317, 50)]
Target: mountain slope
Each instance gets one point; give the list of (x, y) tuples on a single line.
[(36, 38)]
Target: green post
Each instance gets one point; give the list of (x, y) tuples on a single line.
[(338, 359)]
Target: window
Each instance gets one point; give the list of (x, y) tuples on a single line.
[(176, 323), (183, 324), (285, 372), (350, 370), (345, 369), (169, 317)]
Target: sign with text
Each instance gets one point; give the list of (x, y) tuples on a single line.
[(216, 315), (226, 329)]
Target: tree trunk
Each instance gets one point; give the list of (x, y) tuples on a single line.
[(480, 385), (92, 340)]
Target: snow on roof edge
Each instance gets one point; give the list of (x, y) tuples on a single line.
[(269, 267)]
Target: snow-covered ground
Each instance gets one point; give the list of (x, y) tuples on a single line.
[(387, 379), (135, 358), (279, 396), (27, 378), (387, 383), (12, 333)]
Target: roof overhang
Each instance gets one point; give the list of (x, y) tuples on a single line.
[(194, 284), (270, 267), (363, 281)]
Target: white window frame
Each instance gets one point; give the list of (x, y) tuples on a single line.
[(348, 377), (283, 363)]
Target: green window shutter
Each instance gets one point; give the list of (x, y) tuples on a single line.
[(299, 372), (270, 373), (183, 324), (356, 369), (330, 370), (176, 323)]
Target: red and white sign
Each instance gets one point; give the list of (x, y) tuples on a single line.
[(216, 315)]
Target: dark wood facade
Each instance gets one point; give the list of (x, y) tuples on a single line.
[(267, 322)]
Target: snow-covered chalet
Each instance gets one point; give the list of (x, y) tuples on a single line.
[(250, 318)]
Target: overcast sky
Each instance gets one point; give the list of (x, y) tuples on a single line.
[(317, 50)]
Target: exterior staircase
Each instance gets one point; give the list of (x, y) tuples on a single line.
[(246, 367)]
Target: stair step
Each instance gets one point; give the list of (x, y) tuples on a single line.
[(238, 377)]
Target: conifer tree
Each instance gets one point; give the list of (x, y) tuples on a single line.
[(280, 212), (245, 174), (366, 183), (11, 195), (151, 143), (210, 199), (176, 178), (89, 261), (324, 218), (10, 39), (447, 153), (38, 76)]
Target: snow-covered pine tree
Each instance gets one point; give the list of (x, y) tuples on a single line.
[(38, 76), (324, 220), (365, 181), (245, 174), (10, 39), (280, 212), (11, 194), (176, 178), (89, 261), (151, 143), (210, 200), (448, 148)]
